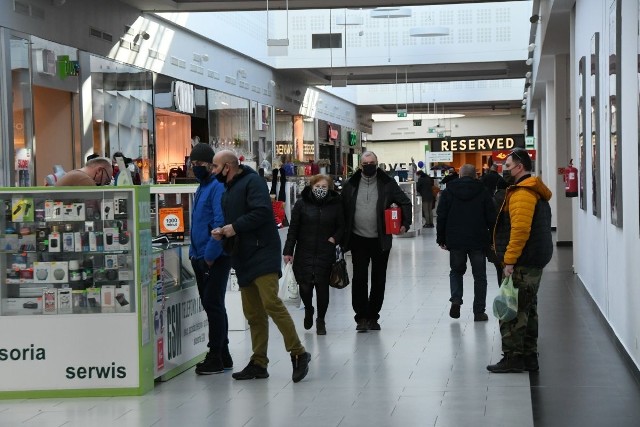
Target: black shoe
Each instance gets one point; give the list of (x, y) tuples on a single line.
[(531, 362), (300, 364), (210, 365), (321, 328), (227, 360), (480, 317), (374, 325), (509, 364), (430, 225), (250, 372), (363, 325), (308, 317), (207, 356), (454, 312)]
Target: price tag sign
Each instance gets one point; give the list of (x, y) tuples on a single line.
[(171, 220)]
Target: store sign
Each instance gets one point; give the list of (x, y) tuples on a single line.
[(66, 352), (183, 96), (171, 220), (309, 149), (186, 332), (284, 149), (478, 143), (442, 156), (501, 156)]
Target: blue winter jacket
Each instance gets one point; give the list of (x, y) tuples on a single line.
[(256, 245), (206, 214)]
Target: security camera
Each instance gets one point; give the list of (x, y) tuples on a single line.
[(360, 33), (534, 19), (145, 35)]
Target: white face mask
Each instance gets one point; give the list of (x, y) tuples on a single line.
[(320, 192)]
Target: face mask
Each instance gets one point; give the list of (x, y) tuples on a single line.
[(369, 169), (201, 173), (220, 177), (319, 192)]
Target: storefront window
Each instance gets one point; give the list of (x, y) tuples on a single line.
[(22, 112), (262, 135), (122, 112), (229, 122)]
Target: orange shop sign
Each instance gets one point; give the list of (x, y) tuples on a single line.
[(171, 220), (501, 155)]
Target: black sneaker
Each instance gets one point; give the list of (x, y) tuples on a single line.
[(205, 360), (210, 365), (508, 365), (374, 325), (363, 325), (480, 317), (300, 364), (227, 360), (531, 362), (454, 312), (308, 317), (250, 372), (321, 328)]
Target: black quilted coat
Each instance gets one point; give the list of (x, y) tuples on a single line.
[(312, 223)]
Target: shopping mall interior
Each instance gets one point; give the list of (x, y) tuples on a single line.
[(428, 84)]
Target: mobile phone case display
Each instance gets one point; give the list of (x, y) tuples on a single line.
[(74, 291), (409, 189)]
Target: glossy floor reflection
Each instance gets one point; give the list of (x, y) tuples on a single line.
[(422, 369)]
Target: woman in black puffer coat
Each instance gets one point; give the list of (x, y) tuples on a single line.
[(316, 226)]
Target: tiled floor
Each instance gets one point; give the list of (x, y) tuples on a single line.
[(421, 369)]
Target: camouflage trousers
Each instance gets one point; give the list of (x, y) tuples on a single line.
[(520, 335)]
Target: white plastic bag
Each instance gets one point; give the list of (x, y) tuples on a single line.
[(289, 292)]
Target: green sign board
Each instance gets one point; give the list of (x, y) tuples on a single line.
[(417, 122), (530, 142), (431, 130), (402, 113)]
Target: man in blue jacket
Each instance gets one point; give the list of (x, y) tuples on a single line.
[(251, 238), (465, 218), (210, 264)]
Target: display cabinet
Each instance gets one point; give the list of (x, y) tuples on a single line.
[(75, 275)]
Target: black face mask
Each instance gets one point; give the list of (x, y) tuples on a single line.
[(369, 170), (220, 177)]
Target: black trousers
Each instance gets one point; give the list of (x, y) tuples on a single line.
[(322, 296), (212, 287), (366, 250)]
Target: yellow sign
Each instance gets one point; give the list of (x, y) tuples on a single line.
[(171, 220)]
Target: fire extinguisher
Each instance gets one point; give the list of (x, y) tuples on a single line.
[(571, 180)]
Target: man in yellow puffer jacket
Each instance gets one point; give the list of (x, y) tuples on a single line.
[(522, 240)]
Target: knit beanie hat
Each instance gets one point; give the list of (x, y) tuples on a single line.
[(202, 152)]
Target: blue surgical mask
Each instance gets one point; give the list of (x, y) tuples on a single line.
[(201, 172)]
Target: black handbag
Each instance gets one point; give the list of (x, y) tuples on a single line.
[(339, 277)]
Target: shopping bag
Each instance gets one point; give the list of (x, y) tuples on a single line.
[(339, 277), (288, 291), (392, 220), (505, 305)]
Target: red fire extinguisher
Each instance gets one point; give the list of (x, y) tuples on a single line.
[(571, 180)]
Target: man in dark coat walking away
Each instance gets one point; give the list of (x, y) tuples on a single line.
[(252, 240), (492, 178), (466, 216), (365, 197)]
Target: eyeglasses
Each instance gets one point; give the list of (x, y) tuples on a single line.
[(515, 153)]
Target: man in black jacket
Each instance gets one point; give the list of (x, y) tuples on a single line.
[(365, 197), (492, 179), (465, 218), (252, 240)]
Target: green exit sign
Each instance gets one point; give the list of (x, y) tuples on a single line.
[(440, 134), (402, 113), (417, 122)]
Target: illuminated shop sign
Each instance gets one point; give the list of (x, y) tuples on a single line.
[(478, 143)]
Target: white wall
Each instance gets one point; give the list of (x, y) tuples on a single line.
[(605, 256)]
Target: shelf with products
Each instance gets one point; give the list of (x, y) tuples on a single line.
[(75, 287), (62, 254)]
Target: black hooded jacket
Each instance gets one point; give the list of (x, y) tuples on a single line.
[(313, 222), (466, 215)]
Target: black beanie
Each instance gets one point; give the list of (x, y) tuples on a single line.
[(202, 152)]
